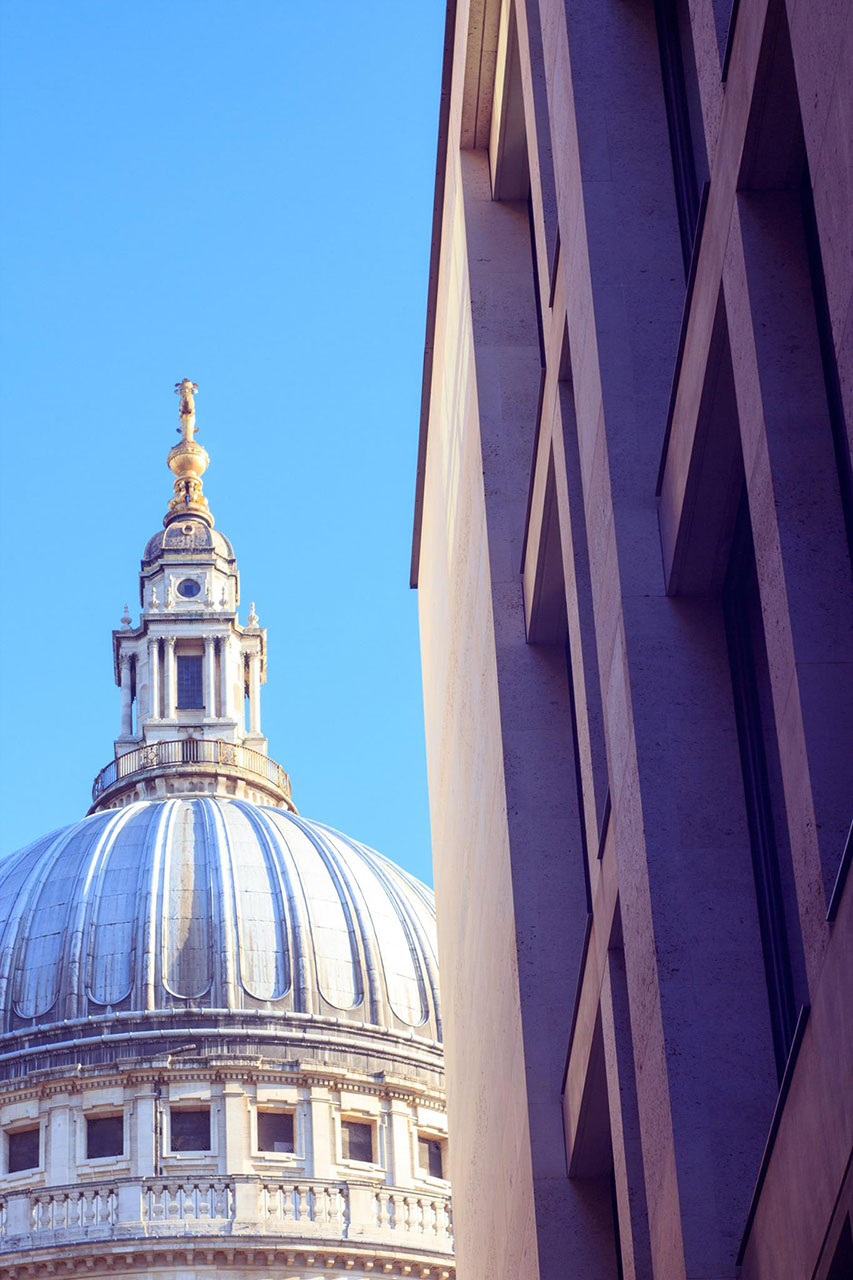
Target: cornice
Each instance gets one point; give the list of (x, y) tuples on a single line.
[(128, 1257)]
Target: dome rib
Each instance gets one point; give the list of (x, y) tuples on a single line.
[(422, 954)]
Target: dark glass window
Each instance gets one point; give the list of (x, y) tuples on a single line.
[(188, 588), (190, 692), (683, 114), (763, 792), (23, 1149), (429, 1157), (275, 1131), (104, 1137), (357, 1141), (191, 1130)]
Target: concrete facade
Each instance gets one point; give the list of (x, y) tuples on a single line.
[(633, 532)]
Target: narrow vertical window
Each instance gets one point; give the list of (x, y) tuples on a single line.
[(190, 682), (774, 889), (683, 116)]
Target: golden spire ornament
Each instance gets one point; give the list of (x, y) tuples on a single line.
[(188, 461)]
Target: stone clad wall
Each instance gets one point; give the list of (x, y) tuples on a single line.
[(638, 376)]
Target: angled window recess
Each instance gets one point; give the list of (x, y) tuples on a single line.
[(430, 1157)]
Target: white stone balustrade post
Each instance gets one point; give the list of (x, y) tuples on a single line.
[(126, 696), (170, 679), (154, 678), (255, 693), (210, 677)]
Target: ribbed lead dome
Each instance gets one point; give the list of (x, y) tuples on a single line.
[(210, 903)]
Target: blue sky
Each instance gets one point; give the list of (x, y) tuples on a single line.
[(239, 193)]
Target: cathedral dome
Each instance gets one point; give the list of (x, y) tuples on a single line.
[(213, 905)]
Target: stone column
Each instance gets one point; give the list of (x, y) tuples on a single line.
[(224, 693), (255, 694), (170, 680), (210, 677), (154, 678), (126, 696)]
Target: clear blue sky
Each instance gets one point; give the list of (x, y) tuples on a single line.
[(239, 193)]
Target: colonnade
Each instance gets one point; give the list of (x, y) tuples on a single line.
[(162, 701)]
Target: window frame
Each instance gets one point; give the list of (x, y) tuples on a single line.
[(23, 1126), (370, 1122), (270, 1108), (422, 1174), (195, 1153), (104, 1113), (184, 658)]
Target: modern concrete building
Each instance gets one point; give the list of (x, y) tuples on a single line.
[(220, 1037), (632, 547)]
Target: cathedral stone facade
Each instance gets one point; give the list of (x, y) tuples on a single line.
[(220, 1036), (632, 553)]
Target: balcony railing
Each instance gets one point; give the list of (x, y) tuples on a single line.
[(128, 1207), (190, 751)]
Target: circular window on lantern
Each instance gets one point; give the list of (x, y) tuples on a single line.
[(188, 588)]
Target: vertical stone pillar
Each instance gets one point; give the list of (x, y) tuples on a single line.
[(154, 679), (144, 1119), (236, 1130), (210, 677), (400, 1161), (224, 696), (321, 1160), (126, 697), (255, 694), (170, 698), (60, 1159)]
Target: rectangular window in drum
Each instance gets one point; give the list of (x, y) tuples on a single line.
[(275, 1131), (357, 1141), (104, 1137), (190, 1130), (23, 1150), (190, 691), (429, 1157)]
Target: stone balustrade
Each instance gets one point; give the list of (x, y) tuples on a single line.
[(425, 1217), (313, 1208), (171, 1201), (155, 1207), (75, 1209)]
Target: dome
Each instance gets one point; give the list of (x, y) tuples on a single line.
[(192, 535), (213, 904)]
